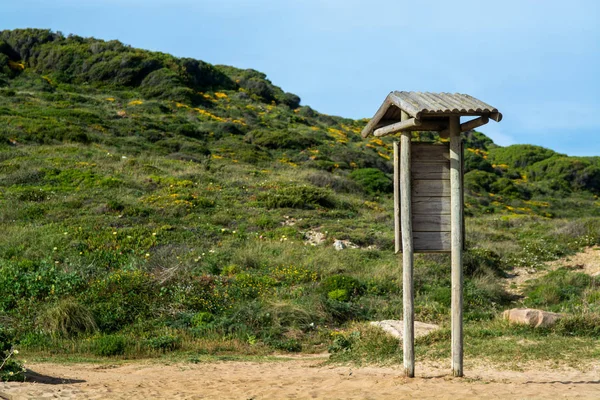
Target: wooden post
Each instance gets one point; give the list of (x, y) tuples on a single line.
[(456, 238), (407, 253), (397, 232)]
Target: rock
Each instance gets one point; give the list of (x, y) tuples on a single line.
[(314, 238), (532, 317), (395, 327), (339, 245), (343, 244)]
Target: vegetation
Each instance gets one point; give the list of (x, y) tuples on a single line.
[(153, 204)]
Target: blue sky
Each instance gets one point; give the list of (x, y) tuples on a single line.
[(538, 62)]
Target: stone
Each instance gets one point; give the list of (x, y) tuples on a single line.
[(531, 317), (339, 245), (314, 238), (344, 244), (396, 327)]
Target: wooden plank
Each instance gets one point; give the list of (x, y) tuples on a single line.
[(432, 241), (431, 222), (467, 126), (430, 153), (430, 171), (435, 126), (407, 253), (438, 188), (397, 127), (397, 232), (431, 205), (456, 238)]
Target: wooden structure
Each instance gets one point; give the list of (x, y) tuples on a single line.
[(428, 192)]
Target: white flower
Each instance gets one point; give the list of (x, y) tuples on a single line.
[(16, 351)]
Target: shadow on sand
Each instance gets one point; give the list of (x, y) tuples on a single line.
[(34, 377)]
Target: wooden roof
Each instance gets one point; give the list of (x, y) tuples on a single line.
[(429, 112)]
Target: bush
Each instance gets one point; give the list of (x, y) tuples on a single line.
[(67, 318), (289, 345), (121, 298), (586, 324), (109, 345), (342, 285), (519, 155), (372, 180), (328, 180), (339, 295), (556, 287), (164, 343), (480, 261), (298, 197), (474, 161), (202, 319), (480, 181), (10, 368), (280, 139)]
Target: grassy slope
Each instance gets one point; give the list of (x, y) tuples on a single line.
[(153, 221)]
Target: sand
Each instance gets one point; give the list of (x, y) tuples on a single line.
[(296, 379)]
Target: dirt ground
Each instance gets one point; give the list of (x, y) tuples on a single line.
[(587, 261), (296, 379)]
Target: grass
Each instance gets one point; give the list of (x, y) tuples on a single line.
[(151, 225), (493, 342)]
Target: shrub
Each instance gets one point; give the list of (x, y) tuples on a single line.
[(480, 261), (339, 295), (26, 281), (298, 197), (202, 318), (352, 286), (109, 345), (280, 139), (291, 100), (372, 180), (289, 345), (478, 181), (67, 318), (121, 298), (474, 161), (10, 368), (164, 343), (509, 188), (519, 155), (328, 180), (585, 324), (556, 287)]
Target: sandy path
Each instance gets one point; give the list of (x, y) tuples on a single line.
[(297, 379), (586, 261)]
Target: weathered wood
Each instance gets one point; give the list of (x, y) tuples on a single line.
[(407, 253), (431, 222), (376, 118), (474, 123), (430, 171), (397, 232), (467, 126), (456, 238), (496, 116), (431, 205), (439, 188), (430, 153), (424, 126), (398, 126), (431, 241)]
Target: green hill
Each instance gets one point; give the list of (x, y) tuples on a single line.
[(151, 203)]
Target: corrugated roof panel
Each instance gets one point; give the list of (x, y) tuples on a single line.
[(418, 104)]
